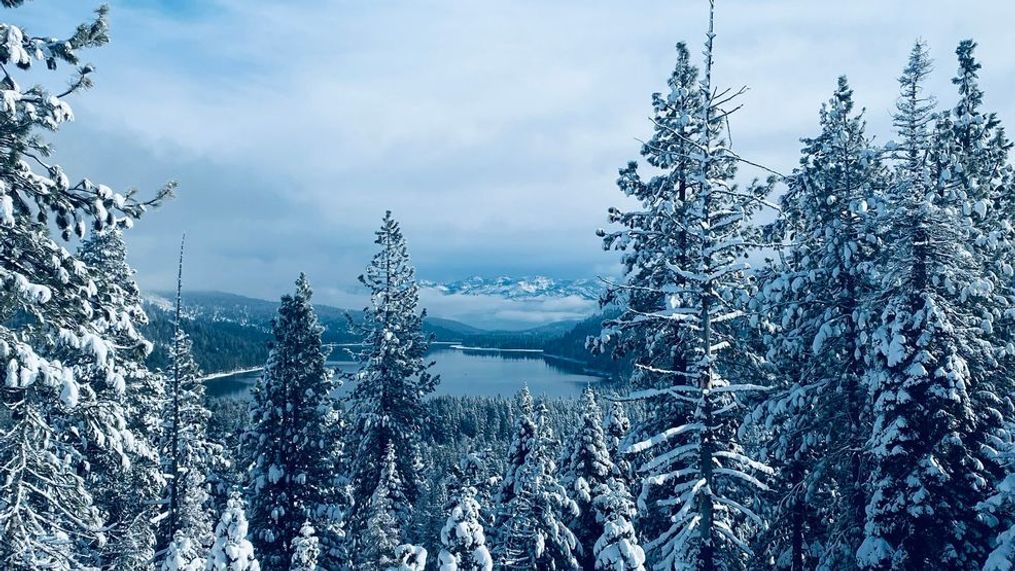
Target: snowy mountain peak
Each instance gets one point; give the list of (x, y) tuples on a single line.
[(535, 287)]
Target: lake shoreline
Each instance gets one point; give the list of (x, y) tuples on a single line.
[(464, 370)]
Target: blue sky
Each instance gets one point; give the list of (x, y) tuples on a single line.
[(493, 130)]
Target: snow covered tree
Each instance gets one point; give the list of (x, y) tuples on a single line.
[(985, 180), (817, 413), (999, 509), (475, 470), (986, 183), (697, 475), (186, 451), (616, 427), (306, 550), (126, 495), (616, 549), (586, 466), (386, 400), (463, 537), (58, 326), (534, 533), (409, 557), (293, 437), (926, 479), (655, 245), (232, 551), (376, 547), (525, 432), (183, 555)]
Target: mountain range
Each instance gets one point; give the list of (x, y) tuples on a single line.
[(524, 288)]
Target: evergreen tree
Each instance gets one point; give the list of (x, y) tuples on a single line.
[(616, 427), (463, 537), (534, 534), (525, 434), (926, 479), (231, 550), (182, 555), (58, 326), (386, 401), (698, 475), (617, 547), (409, 557), (817, 414), (986, 182), (306, 550), (377, 546), (655, 242), (984, 178), (475, 470), (186, 452), (999, 509), (127, 495), (585, 467), (293, 436)]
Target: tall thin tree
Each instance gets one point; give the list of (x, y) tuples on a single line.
[(386, 400), (925, 475), (186, 450), (702, 475), (817, 413), (293, 438)]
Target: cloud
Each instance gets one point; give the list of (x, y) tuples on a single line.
[(492, 312), (493, 130)]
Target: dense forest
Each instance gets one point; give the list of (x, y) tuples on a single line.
[(846, 404)]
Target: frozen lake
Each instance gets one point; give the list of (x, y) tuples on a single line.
[(462, 372)]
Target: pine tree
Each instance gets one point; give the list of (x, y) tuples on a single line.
[(697, 473), (232, 551), (57, 324), (475, 470), (616, 549), (656, 244), (999, 510), (386, 401), (377, 546), (127, 494), (525, 433), (186, 451), (616, 428), (463, 538), (409, 557), (182, 555), (585, 467), (534, 533), (986, 182), (306, 550), (925, 477), (293, 439), (818, 414)]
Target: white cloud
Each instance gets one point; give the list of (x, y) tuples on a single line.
[(492, 129), (492, 312)]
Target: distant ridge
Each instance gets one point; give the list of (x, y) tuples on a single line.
[(523, 288)]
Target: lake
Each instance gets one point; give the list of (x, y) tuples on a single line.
[(462, 372)]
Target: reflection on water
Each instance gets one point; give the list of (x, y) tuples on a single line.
[(465, 372)]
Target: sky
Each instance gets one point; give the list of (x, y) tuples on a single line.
[(493, 130)]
